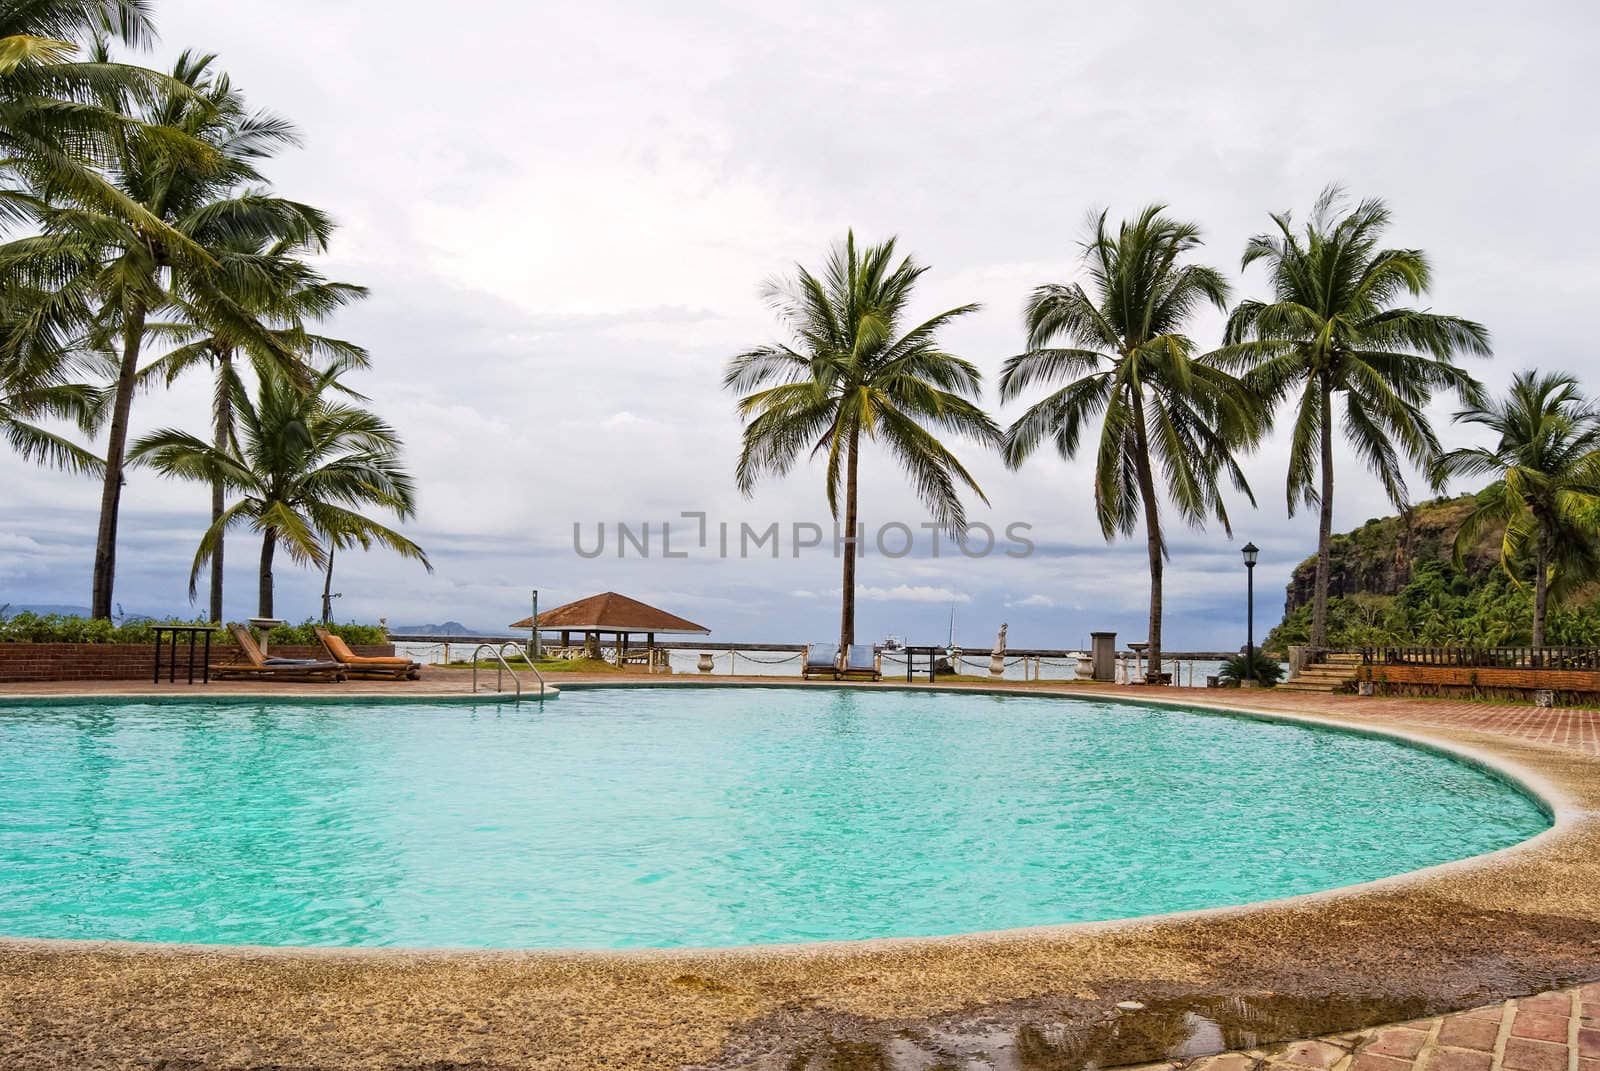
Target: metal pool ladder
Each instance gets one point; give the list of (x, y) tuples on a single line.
[(504, 667)]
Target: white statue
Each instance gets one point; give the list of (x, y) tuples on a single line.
[(997, 658)]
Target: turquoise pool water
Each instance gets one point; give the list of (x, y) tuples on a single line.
[(619, 818)]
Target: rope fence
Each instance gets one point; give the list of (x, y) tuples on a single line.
[(730, 661)]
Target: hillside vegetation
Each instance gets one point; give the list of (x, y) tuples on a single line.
[(1394, 582)]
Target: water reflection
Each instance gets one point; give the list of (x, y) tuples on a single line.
[(1176, 1030)]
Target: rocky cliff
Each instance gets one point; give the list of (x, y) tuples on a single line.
[(1377, 558)]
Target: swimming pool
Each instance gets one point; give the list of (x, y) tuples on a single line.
[(686, 816)]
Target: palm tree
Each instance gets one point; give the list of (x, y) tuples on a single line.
[(36, 367), (56, 132), (304, 466), (25, 398), (1546, 462), (848, 371), (54, 135), (134, 269), (281, 296), (1333, 327), (1126, 360)]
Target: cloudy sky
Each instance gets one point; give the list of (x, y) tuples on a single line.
[(565, 212)]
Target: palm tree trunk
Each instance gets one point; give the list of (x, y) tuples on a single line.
[(1541, 592), (847, 614), (269, 542), (327, 589), (1319, 598), (1152, 535), (223, 426), (105, 550)]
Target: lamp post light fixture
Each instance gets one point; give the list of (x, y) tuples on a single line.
[(1251, 552)]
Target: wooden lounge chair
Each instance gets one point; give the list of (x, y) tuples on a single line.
[(391, 667), (253, 665), (860, 663), (821, 660)]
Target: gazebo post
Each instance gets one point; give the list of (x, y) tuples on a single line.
[(649, 652), (622, 647)]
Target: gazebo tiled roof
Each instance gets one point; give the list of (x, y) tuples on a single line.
[(610, 612)]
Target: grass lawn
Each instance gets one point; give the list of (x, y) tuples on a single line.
[(552, 665)]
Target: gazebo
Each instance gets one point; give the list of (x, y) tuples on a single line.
[(616, 615)]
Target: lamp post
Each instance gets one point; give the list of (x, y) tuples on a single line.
[(1250, 551)]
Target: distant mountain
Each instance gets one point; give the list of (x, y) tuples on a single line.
[(449, 628), (6, 609), (56, 609)]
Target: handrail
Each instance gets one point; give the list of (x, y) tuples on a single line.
[(518, 649), (504, 667)]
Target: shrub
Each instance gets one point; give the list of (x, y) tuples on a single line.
[(1237, 669), (304, 633), (25, 627)]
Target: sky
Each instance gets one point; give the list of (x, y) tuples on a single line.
[(565, 212)]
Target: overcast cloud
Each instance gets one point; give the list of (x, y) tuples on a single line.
[(564, 212)]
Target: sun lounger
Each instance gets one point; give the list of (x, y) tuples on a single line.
[(821, 660), (860, 663), (391, 667), (253, 665)]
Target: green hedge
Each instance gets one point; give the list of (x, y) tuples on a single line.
[(27, 627)]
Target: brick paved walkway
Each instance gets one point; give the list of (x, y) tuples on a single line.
[(1577, 729)]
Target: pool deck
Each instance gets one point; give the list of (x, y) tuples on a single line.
[(1522, 925)]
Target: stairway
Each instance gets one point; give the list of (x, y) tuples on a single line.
[(1332, 674)]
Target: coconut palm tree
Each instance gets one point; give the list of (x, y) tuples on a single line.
[(1546, 461), (55, 135), (1334, 327), (849, 371), (133, 269), (37, 366), (29, 395), (1120, 354), (304, 466), (56, 132), (282, 296)]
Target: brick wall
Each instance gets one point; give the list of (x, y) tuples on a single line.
[(1467, 680), (129, 661)]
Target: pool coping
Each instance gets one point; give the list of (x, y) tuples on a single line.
[(1562, 780)]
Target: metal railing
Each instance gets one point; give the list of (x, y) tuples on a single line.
[(1526, 658), (503, 667)]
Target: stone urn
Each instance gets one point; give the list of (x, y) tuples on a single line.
[(705, 665)]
